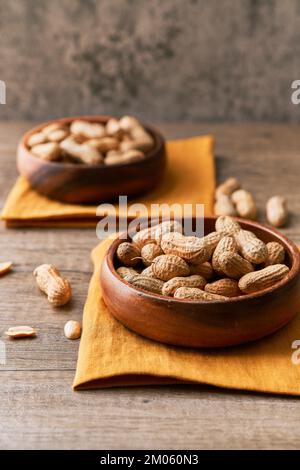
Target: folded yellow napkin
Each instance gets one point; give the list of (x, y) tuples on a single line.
[(190, 178), (110, 355)]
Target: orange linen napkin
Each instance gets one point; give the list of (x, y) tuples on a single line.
[(110, 355), (190, 178)]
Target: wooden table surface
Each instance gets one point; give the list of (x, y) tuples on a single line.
[(38, 408)]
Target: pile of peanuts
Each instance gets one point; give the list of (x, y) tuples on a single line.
[(58, 291), (228, 262), (118, 141), (232, 200)]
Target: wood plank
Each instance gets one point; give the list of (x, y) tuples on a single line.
[(39, 410)]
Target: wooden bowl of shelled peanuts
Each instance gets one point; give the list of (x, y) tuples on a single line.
[(259, 302), (91, 159)]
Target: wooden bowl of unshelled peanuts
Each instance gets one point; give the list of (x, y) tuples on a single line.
[(237, 283), (90, 159)]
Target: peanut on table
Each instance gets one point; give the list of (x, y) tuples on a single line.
[(232, 200)]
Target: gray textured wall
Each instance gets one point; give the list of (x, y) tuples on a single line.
[(160, 59)]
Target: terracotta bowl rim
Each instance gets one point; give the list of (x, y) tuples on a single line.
[(158, 138), (289, 245)]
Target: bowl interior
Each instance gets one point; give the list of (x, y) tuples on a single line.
[(265, 233)]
